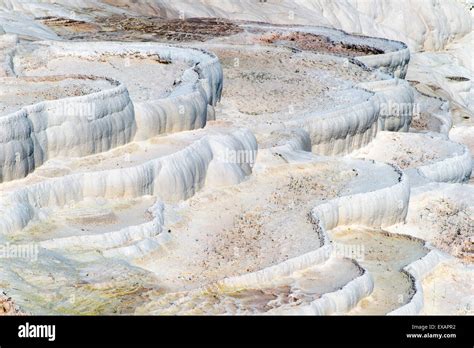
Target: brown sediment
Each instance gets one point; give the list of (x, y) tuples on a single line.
[(195, 29), (457, 78), (317, 43), (8, 306), (189, 29), (67, 24), (200, 29), (421, 121)]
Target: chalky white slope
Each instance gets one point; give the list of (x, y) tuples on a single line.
[(146, 196)]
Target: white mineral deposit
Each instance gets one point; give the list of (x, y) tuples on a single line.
[(236, 157)]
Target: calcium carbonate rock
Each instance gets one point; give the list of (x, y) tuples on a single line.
[(74, 126), (433, 24), (63, 186), (396, 103), (173, 178), (94, 123)]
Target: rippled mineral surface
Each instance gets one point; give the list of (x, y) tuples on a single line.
[(238, 157)]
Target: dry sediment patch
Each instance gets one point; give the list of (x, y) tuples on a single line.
[(259, 223), (269, 81), (457, 226), (128, 68), (442, 214), (8, 306), (317, 43), (410, 150), (17, 92), (143, 28)]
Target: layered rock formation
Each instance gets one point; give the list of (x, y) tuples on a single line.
[(253, 169)]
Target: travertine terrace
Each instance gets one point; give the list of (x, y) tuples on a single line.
[(210, 163)]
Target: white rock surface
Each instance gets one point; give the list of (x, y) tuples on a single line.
[(69, 193)]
